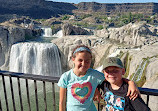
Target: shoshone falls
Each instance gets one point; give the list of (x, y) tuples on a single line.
[(41, 58), (35, 58)]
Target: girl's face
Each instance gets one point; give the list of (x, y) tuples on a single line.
[(82, 62), (113, 74)]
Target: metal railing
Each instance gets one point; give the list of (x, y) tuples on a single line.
[(148, 92), (14, 101), (18, 89)]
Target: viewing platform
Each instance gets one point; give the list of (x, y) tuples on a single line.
[(28, 92)]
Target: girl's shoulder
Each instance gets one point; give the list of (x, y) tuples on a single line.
[(66, 76)]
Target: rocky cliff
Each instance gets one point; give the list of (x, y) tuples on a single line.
[(46, 9), (35, 8), (136, 34), (115, 8), (8, 37)]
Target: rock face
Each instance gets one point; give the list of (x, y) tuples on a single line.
[(8, 37), (35, 8), (133, 36), (136, 34), (113, 8), (69, 29), (153, 100), (146, 52), (67, 43)]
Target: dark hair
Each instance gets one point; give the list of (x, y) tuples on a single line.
[(74, 55)]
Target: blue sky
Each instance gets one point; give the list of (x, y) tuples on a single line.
[(107, 1)]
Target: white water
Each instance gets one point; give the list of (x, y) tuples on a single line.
[(58, 34), (35, 58), (115, 53), (139, 72), (47, 32)]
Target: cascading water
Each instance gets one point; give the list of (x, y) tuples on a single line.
[(139, 72), (35, 58), (58, 34), (32, 58), (47, 32)]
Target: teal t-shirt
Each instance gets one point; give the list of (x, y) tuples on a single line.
[(80, 90)]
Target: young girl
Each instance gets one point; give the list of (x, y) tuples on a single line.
[(78, 85)]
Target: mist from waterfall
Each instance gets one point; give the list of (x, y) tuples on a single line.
[(35, 58)]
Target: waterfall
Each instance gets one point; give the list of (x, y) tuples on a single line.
[(58, 34), (35, 58), (47, 32), (115, 53), (139, 72)]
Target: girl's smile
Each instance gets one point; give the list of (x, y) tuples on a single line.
[(82, 63)]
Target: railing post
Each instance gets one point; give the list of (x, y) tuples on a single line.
[(5, 93), (147, 102), (0, 105), (35, 85), (28, 95), (12, 92), (20, 96), (53, 92), (44, 91)]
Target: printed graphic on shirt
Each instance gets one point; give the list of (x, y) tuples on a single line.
[(81, 91), (114, 102)]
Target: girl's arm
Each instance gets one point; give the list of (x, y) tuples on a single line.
[(133, 91), (62, 99)]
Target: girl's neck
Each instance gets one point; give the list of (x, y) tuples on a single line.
[(79, 74)]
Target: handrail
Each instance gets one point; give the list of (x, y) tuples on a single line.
[(30, 76), (27, 77), (149, 91), (146, 91)]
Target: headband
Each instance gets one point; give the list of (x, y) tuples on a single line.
[(82, 49)]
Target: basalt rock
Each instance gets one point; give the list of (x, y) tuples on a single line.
[(8, 37), (69, 29), (136, 34)]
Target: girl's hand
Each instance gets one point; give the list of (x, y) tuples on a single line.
[(133, 91)]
